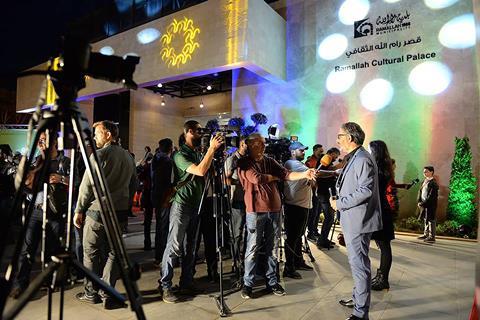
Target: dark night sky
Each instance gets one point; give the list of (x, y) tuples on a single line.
[(30, 32)]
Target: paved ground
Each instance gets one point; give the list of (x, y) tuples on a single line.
[(427, 282)]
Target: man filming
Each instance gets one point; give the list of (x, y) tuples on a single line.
[(259, 175), (190, 170)]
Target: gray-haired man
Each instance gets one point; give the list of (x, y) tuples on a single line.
[(360, 214)]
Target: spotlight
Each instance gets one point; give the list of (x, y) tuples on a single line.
[(162, 103), (160, 85), (201, 105), (209, 87)]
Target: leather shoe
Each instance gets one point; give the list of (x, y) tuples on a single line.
[(292, 274), (112, 304), (347, 303), (303, 266), (354, 317), (321, 245)]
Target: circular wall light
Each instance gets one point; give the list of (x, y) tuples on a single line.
[(458, 33), (332, 46), (376, 94), (430, 78), (353, 10), (338, 82)]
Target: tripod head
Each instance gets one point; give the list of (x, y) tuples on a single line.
[(78, 61), (68, 74)]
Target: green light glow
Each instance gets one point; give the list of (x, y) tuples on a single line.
[(461, 206)]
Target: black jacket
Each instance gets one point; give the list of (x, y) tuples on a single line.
[(429, 206), (161, 170)]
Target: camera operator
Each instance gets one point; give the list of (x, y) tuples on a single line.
[(58, 171), (298, 201), (259, 175), (190, 170), (119, 169), (236, 197)]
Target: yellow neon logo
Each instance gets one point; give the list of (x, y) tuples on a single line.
[(189, 32)]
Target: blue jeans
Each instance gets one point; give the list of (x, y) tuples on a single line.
[(263, 233), (162, 217), (33, 237), (181, 242)]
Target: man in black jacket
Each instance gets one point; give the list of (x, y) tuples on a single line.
[(161, 168), (427, 204)]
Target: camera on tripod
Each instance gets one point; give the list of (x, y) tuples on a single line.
[(278, 149), (230, 138), (78, 61)]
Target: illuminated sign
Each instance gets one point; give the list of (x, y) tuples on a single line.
[(183, 28)]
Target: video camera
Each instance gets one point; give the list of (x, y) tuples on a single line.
[(78, 61), (278, 149), (231, 139)]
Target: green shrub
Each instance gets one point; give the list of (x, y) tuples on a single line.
[(448, 228), (412, 223)]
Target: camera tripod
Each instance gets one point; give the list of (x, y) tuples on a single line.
[(215, 180), (67, 119)]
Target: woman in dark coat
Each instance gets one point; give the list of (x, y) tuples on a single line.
[(383, 237)]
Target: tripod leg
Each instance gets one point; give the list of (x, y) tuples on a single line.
[(30, 292), (62, 299), (50, 298), (11, 272)]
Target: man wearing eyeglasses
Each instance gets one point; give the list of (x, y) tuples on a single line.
[(358, 202)]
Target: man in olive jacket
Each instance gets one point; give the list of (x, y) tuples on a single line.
[(120, 176)]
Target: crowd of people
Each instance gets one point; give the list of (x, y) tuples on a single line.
[(264, 197)]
